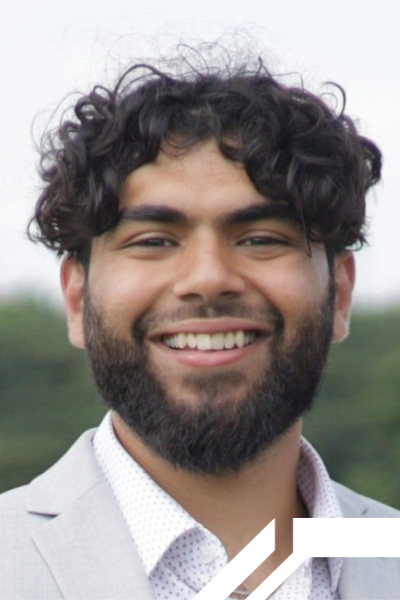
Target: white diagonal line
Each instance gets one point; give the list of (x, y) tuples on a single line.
[(281, 573), (240, 567), (311, 537)]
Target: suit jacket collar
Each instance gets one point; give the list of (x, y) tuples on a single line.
[(86, 544)]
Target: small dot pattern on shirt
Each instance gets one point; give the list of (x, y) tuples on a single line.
[(179, 555), (319, 497), (190, 563)]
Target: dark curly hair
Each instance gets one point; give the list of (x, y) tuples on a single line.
[(293, 146)]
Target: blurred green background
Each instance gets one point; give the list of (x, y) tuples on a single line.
[(47, 399)]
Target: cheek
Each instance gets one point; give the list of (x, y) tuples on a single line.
[(123, 292), (295, 286)]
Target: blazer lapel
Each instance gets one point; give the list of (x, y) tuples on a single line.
[(85, 544)]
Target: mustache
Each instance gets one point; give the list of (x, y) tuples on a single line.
[(151, 320)]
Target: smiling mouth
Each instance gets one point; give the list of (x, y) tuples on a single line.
[(206, 342)]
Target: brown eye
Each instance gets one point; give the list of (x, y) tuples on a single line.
[(154, 242), (261, 240)]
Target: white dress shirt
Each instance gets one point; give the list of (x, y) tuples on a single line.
[(179, 555)]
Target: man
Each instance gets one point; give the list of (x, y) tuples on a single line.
[(206, 222)]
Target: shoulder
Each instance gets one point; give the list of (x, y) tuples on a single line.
[(25, 510), (356, 505), (15, 519), (66, 479), (16, 522), (12, 511), (19, 555), (45, 496), (368, 576)]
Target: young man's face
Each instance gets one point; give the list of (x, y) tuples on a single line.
[(213, 299)]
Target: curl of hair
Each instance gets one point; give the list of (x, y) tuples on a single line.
[(294, 148)]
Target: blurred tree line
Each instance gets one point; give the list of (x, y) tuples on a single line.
[(47, 398)]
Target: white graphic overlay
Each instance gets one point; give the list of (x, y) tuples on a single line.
[(363, 538), (241, 566)]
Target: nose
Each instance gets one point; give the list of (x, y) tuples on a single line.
[(208, 271)]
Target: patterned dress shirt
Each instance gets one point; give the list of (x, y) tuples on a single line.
[(179, 555)]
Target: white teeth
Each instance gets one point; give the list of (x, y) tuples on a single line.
[(206, 341), (239, 339), (191, 340), (203, 341), (217, 341), (181, 340), (229, 340)]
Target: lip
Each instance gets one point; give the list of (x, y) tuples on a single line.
[(210, 326)]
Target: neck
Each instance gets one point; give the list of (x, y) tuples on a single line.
[(235, 507)]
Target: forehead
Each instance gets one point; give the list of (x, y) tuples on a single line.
[(198, 180)]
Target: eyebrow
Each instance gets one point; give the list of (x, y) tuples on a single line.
[(166, 214), (259, 212), (157, 213)]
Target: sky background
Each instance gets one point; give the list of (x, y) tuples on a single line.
[(49, 49)]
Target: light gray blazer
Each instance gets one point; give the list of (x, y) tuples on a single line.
[(63, 537)]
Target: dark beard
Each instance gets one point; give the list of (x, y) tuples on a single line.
[(215, 435)]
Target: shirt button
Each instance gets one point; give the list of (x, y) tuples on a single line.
[(207, 555)]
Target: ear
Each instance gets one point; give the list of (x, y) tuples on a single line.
[(73, 284), (344, 278)]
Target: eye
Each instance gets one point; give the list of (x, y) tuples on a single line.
[(152, 242), (263, 240), (155, 242)]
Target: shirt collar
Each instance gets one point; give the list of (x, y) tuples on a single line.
[(144, 504), (155, 520)]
